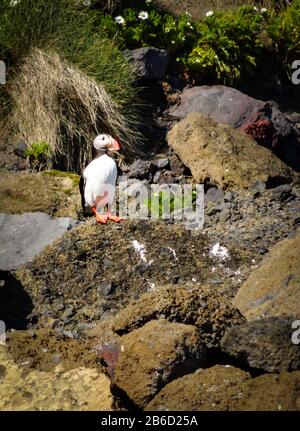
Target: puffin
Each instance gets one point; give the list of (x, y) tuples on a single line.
[(98, 181)]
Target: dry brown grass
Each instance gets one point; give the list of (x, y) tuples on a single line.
[(57, 103)]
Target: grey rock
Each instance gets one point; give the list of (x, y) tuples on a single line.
[(282, 192), (214, 194), (161, 163), (151, 63), (228, 197), (23, 236), (20, 149), (264, 344)]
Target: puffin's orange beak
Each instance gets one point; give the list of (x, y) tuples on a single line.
[(115, 145)]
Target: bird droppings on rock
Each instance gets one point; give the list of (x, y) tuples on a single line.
[(69, 272)]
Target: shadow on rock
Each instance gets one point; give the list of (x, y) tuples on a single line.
[(15, 303)]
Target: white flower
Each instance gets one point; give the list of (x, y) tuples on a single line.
[(187, 13), (173, 41), (87, 3), (263, 10), (14, 3), (209, 13), (148, 1), (119, 20), (143, 15), (255, 8)]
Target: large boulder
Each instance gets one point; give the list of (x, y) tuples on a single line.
[(273, 289), (24, 236), (154, 355), (225, 388), (77, 389), (206, 389), (203, 307), (150, 63), (226, 157), (264, 344), (93, 271), (263, 121)]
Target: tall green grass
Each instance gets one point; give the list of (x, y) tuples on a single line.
[(73, 31)]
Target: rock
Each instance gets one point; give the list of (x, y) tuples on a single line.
[(226, 388), (270, 392), (228, 197), (264, 344), (261, 120), (77, 389), (139, 170), (282, 192), (51, 192), (214, 194), (20, 149), (161, 163), (229, 106), (24, 236), (273, 289), (222, 155), (74, 268), (153, 355), (177, 167), (151, 63), (203, 307), (207, 389)]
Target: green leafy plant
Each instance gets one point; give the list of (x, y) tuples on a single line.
[(38, 154), (284, 30)]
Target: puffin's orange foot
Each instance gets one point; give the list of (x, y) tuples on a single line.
[(101, 219), (115, 218)]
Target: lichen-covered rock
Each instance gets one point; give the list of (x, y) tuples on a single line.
[(223, 155), (77, 389), (207, 389), (273, 289), (225, 388), (270, 392), (155, 354), (93, 271), (264, 344), (203, 307)]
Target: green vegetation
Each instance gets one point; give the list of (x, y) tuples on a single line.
[(38, 154), (164, 202), (86, 86), (57, 173), (225, 47)]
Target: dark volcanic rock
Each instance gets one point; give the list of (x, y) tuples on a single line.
[(74, 268), (264, 344), (155, 354), (151, 63)]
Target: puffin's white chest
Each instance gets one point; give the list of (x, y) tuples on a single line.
[(100, 177)]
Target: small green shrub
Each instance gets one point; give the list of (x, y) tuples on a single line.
[(225, 47), (284, 30), (38, 154)]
